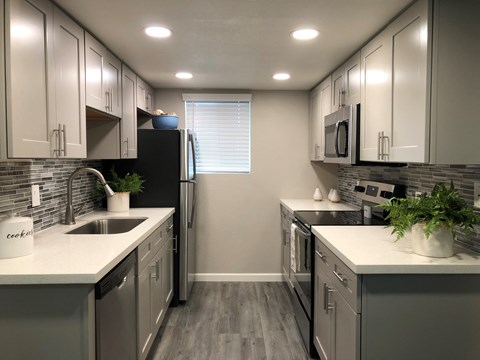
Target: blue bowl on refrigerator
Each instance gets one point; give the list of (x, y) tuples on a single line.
[(165, 122)]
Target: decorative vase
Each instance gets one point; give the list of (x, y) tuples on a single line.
[(317, 195), (439, 244), (120, 201), (335, 196)]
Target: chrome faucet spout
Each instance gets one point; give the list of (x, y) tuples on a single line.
[(70, 213)]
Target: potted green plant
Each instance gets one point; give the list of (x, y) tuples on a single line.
[(432, 219), (131, 183)]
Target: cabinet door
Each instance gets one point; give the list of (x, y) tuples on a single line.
[(338, 88), (323, 321), (129, 114), (352, 80), (70, 84), (141, 94), (156, 296), (113, 84), (408, 132), (30, 78), (144, 313), (167, 273), (346, 327), (320, 105), (375, 94), (96, 94)]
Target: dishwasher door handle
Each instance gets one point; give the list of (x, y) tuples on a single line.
[(122, 282)]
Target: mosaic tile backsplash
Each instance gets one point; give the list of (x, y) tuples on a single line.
[(416, 178), (17, 178)]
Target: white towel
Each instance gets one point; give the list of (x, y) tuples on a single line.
[(293, 243)]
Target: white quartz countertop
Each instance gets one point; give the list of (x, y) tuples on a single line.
[(312, 205), (373, 250), (59, 258)]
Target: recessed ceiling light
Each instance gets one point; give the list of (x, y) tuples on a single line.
[(281, 76), (183, 75), (305, 34), (158, 32)]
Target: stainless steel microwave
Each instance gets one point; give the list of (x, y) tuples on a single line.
[(341, 135)]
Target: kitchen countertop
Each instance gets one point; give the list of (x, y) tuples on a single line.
[(311, 205), (373, 250), (59, 258)]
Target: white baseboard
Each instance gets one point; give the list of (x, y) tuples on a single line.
[(249, 277)]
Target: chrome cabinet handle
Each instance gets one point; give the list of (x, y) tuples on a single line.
[(340, 276), (156, 267), (56, 150), (321, 255), (64, 132), (107, 100), (125, 151), (111, 99), (379, 151), (175, 247), (326, 298), (385, 144)]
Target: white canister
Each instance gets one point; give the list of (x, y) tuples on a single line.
[(317, 195), (16, 236)]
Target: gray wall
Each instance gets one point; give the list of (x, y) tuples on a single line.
[(51, 175), (239, 214), (417, 178)]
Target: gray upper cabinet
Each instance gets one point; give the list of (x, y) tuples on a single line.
[(346, 83), (103, 78), (144, 96), (44, 82), (129, 118), (394, 90), (320, 106)]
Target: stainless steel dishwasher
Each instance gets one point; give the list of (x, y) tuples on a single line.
[(115, 313)]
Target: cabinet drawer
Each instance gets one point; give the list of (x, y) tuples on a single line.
[(146, 250), (343, 279), (346, 282)]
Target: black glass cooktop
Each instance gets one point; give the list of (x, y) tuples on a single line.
[(317, 218)]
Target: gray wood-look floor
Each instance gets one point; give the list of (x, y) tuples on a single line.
[(230, 321)]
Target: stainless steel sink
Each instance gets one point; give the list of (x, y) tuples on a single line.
[(108, 226)]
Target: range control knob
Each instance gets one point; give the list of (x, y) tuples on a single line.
[(386, 194), (359, 188)]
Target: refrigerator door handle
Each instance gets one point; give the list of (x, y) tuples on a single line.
[(194, 203), (191, 140)]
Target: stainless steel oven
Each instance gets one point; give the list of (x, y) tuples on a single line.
[(370, 193)]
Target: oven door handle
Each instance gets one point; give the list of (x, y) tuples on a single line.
[(301, 232)]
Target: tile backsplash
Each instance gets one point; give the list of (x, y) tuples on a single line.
[(416, 178), (17, 178)]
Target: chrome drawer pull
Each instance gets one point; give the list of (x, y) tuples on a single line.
[(321, 255), (340, 276)]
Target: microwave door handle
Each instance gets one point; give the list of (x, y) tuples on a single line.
[(337, 127), (344, 123)]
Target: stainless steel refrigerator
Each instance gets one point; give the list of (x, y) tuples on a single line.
[(166, 159)]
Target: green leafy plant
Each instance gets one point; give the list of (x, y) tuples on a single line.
[(132, 183), (444, 207)]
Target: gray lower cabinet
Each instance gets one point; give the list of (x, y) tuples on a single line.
[(336, 324), (393, 316), (154, 284), (287, 219)]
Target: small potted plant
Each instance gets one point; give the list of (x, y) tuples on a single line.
[(432, 220), (123, 187)]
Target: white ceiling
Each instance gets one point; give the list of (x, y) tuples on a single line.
[(233, 44)]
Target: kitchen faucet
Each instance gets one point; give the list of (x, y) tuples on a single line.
[(70, 213)]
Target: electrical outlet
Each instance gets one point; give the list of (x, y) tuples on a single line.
[(35, 195), (476, 195)]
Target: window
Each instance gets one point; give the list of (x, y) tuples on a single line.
[(222, 125)]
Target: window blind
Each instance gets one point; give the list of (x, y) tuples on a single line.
[(223, 134)]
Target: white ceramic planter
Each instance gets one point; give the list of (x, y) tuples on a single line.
[(439, 244), (119, 202)]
